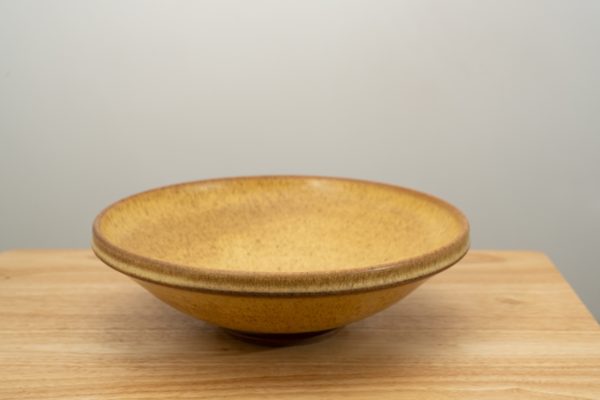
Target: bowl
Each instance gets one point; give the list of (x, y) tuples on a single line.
[(279, 258)]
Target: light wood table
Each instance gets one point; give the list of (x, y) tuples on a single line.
[(499, 325)]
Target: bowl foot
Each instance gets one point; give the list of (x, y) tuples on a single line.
[(281, 339)]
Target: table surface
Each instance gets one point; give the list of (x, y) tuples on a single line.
[(498, 325)]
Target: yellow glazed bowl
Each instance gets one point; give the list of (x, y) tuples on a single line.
[(280, 255)]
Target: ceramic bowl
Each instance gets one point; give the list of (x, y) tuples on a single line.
[(280, 256)]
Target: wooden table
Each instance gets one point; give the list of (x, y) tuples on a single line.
[(499, 325)]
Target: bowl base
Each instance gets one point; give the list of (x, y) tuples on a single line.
[(281, 339)]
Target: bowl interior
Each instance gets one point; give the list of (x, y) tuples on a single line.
[(281, 224)]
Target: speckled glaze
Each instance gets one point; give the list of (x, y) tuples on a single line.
[(280, 254)]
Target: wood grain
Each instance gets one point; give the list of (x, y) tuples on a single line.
[(499, 325)]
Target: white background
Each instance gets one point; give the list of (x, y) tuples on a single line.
[(494, 106)]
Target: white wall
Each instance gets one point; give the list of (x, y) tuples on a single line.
[(492, 105)]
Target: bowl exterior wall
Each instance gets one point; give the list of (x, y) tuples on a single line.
[(293, 314)]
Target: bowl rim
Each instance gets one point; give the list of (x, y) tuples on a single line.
[(305, 283)]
